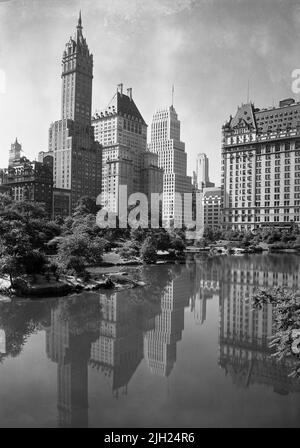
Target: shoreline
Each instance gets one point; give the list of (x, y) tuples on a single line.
[(107, 276), (104, 277)]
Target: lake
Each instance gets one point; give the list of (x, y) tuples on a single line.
[(186, 351)]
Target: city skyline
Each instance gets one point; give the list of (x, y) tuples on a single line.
[(203, 92)]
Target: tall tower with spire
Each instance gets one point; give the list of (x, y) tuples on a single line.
[(14, 153), (77, 78), (77, 156)]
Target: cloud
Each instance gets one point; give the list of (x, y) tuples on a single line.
[(139, 10)]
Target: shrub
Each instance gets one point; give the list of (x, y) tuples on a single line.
[(130, 249), (75, 265), (286, 309), (34, 262), (148, 251), (96, 248)]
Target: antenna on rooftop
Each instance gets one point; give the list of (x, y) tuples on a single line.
[(172, 95)]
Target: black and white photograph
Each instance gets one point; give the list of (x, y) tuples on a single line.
[(149, 217)]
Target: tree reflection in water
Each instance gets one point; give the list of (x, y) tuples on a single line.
[(113, 332)]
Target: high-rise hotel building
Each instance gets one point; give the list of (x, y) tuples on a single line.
[(77, 156), (261, 166), (122, 132), (165, 141)]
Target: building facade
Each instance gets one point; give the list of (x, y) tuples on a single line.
[(77, 156), (29, 181), (122, 132), (172, 158), (212, 210), (261, 166)]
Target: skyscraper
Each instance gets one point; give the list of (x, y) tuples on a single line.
[(202, 172), (77, 157), (122, 131), (165, 141)]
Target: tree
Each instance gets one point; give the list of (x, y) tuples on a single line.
[(286, 311), (96, 248), (28, 210), (177, 244), (162, 238), (85, 206), (9, 266), (130, 249), (14, 248), (76, 265), (75, 245), (76, 251), (148, 251), (5, 201), (34, 262), (202, 242), (247, 238), (211, 234), (139, 234)]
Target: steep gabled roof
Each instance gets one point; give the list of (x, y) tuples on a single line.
[(121, 104), (127, 106), (244, 117)]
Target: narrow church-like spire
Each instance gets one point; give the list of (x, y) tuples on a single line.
[(79, 21)]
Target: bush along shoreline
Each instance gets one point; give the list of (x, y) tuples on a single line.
[(271, 238), (286, 325), (42, 257)]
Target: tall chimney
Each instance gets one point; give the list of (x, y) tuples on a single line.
[(120, 88), (129, 93)]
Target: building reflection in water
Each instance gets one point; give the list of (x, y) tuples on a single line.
[(205, 287), (244, 332), (160, 342), (119, 349), (2, 342), (74, 327), (127, 327), (130, 327), (113, 332)]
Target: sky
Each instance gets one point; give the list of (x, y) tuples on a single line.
[(208, 49)]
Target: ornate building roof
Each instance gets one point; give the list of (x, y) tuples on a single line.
[(283, 117), (121, 104)]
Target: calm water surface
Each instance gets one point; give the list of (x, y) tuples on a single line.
[(186, 351)]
